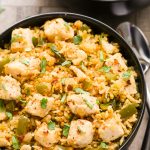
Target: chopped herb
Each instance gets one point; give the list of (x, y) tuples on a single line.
[(97, 102), (66, 63), (43, 65), (51, 125), (26, 62), (44, 103), (103, 145), (56, 52), (66, 130), (63, 98), (15, 143), (77, 39), (83, 67), (35, 41), (2, 106), (105, 69), (15, 38), (9, 115), (101, 56), (88, 103), (126, 75), (80, 91)]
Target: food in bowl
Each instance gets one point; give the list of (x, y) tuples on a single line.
[(64, 87)]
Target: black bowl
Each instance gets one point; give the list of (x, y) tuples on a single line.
[(97, 27)]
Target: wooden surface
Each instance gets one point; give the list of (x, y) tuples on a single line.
[(15, 10)]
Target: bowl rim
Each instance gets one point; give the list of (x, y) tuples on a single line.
[(82, 17)]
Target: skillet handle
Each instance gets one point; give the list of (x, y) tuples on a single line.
[(146, 141), (124, 31)]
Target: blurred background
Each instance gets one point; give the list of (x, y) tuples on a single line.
[(112, 12)]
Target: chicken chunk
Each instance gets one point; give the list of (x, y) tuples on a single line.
[(45, 136), (82, 104), (72, 52), (3, 115), (34, 106), (4, 139), (81, 76), (24, 67), (80, 133), (21, 40), (25, 147), (108, 47), (110, 130), (131, 88), (50, 60), (89, 45), (28, 137), (117, 61), (58, 29), (9, 88)]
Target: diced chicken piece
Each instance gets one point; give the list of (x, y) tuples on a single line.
[(50, 60), (28, 137), (34, 105), (89, 46), (25, 147), (9, 88), (80, 133), (4, 139), (116, 60), (46, 137), (72, 52), (58, 29), (3, 115), (81, 76), (21, 40), (15, 68), (131, 88), (58, 147), (108, 47), (82, 104), (25, 67), (110, 130)]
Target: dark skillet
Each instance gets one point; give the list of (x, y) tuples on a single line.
[(97, 27)]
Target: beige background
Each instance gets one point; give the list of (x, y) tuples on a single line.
[(15, 10)]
